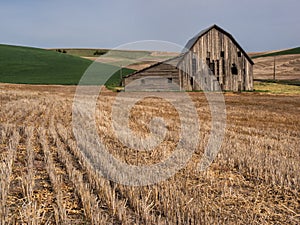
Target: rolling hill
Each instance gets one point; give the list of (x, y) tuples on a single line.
[(38, 66), (287, 66), (25, 65), (135, 59), (292, 51), (90, 52)]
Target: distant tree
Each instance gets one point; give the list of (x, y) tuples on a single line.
[(100, 52), (64, 51), (58, 50), (97, 53)]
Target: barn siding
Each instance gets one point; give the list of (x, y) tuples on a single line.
[(162, 70), (210, 46)]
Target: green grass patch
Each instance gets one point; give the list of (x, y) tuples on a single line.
[(115, 80), (26, 65), (291, 51), (287, 82), (276, 88)]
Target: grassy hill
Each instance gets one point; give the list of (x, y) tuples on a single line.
[(292, 51), (37, 66), (85, 52)]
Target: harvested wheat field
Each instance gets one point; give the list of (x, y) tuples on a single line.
[(287, 67), (45, 179)]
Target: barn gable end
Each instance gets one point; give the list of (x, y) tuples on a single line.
[(229, 63)]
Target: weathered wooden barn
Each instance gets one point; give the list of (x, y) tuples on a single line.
[(211, 60), (159, 76)]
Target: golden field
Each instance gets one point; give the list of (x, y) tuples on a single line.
[(46, 180)]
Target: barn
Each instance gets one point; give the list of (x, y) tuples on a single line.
[(229, 66), (158, 77)]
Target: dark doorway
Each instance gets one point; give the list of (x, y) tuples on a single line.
[(223, 66), (192, 82), (218, 69)]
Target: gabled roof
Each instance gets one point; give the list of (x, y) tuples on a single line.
[(190, 44), (168, 61)]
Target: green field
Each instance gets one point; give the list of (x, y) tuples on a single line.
[(85, 52), (26, 65), (291, 51)]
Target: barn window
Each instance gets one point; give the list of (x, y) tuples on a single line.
[(170, 79), (222, 54), (194, 65), (239, 54), (208, 61), (234, 69), (142, 81)]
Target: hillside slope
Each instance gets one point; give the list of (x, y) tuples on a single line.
[(291, 51), (38, 66), (135, 59), (287, 67)]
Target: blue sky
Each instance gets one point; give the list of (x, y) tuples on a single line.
[(257, 25)]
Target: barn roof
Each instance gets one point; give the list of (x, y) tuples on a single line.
[(193, 41), (168, 61)]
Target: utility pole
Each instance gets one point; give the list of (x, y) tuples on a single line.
[(274, 71), (121, 75)]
